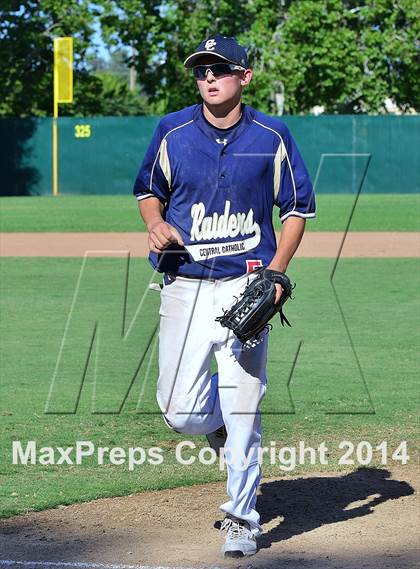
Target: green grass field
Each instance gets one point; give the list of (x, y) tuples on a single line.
[(378, 212), (327, 400)]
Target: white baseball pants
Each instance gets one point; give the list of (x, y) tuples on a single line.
[(195, 404)]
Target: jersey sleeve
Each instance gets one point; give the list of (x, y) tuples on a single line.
[(153, 178), (293, 189)]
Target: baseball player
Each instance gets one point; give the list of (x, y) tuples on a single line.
[(206, 190)]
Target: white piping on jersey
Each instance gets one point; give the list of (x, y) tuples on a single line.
[(296, 213), (288, 162), (165, 160), (144, 196), (278, 159)]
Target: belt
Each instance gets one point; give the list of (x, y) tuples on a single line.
[(209, 279)]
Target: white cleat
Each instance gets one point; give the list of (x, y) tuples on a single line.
[(239, 540)]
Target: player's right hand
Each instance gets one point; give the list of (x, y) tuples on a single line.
[(161, 235)]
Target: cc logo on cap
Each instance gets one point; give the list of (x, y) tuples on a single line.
[(210, 44)]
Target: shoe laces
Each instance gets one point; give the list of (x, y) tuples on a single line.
[(234, 528)]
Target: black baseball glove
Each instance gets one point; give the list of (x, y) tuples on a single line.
[(256, 305)]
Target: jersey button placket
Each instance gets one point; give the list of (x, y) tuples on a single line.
[(222, 169)]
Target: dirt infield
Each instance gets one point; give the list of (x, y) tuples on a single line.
[(365, 519), (314, 244)]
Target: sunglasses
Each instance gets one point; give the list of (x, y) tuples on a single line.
[(218, 69)]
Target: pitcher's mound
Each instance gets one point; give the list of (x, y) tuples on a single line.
[(365, 519)]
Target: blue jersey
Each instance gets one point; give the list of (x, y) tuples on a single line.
[(219, 188)]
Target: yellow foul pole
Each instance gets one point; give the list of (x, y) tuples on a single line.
[(55, 117), (63, 91)]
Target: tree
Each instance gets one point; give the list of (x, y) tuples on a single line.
[(27, 30), (387, 35), (349, 56), (163, 35), (346, 55)]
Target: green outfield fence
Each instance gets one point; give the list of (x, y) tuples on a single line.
[(102, 155)]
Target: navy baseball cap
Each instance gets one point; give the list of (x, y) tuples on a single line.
[(227, 48)]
